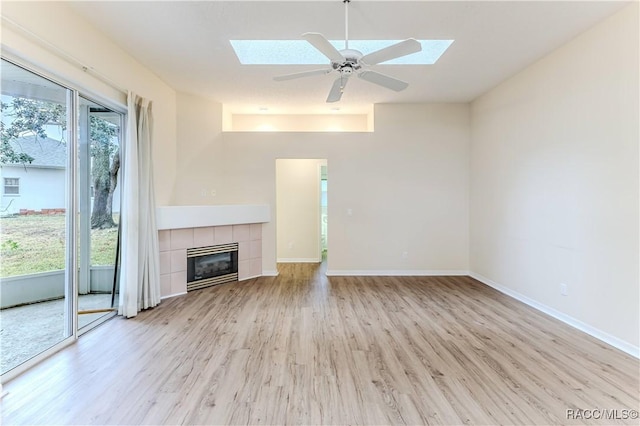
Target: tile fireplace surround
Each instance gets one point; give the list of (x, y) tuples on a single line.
[(183, 227)]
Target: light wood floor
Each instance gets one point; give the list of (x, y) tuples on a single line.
[(306, 349)]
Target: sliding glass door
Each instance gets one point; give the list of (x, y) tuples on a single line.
[(36, 219), (59, 214)]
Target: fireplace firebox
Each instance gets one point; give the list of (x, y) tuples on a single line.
[(207, 266)]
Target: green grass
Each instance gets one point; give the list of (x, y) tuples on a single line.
[(36, 243)]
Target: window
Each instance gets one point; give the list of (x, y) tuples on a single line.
[(11, 186), (281, 52)]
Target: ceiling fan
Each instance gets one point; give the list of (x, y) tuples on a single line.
[(348, 62)]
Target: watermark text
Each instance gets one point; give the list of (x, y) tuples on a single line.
[(601, 414)]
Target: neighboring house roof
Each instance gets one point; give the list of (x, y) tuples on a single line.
[(46, 152)]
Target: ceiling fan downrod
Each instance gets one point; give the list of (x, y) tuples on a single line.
[(346, 23)]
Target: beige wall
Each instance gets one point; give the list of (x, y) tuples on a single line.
[(59, 26), (199, 157), (298, 210), (554, 181), (406, 184)]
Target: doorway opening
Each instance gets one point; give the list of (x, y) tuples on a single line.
[(301, 210), (323, 212), (99, 141)]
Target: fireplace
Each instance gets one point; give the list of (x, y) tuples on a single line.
[(207, 266)]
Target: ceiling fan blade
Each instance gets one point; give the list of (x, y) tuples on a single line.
[(336, 90), (383, 80), (324, 46), (302, 74), (397, 50)]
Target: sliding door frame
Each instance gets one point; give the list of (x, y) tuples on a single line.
[(75, 90), (83, 225)]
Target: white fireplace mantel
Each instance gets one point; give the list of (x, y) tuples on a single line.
[(177, 217)]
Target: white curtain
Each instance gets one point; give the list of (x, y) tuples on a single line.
[(139, 260)]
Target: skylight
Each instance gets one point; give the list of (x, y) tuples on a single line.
[(293, 52)]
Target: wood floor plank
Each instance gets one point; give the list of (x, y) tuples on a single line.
[(302, 348)]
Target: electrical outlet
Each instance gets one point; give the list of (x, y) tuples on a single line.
[(291, 245), (213, 192), (405, 254), (563, 289)]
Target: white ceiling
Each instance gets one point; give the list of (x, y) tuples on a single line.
[(186, 43)]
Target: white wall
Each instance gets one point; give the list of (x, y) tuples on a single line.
[(406, 183), (40, 188), (298, 210), (59, 26), (554, 181)]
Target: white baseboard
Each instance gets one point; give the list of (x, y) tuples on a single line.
[(270, 273), (299, 260), (394, 273), (569, 320), (250, 278), (172, 295)]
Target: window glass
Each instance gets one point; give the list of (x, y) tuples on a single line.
[(11, 186)]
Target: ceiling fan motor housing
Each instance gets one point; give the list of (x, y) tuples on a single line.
[(351, 62)]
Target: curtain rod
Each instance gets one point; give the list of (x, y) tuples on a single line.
[(64, 55)]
